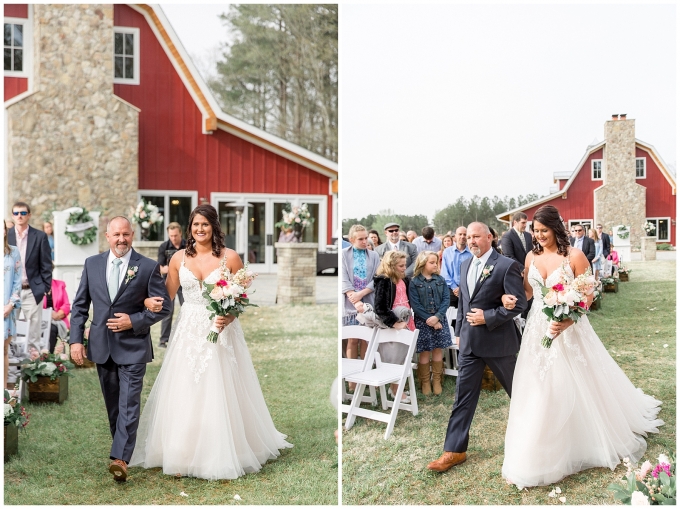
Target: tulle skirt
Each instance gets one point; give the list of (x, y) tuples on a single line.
[(206, 416), (572, 408)]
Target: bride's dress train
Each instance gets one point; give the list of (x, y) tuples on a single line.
[(206, 416), (572, 406)]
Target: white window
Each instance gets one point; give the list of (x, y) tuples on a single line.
[(585, 224), (640, 167), (126, 55), (597, 169), (17, 47), (176, 206), (660, 228)]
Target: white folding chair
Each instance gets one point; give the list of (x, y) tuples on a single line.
[(18, 353), (351, 366), (45, 326), (451, 353), (385, 373)]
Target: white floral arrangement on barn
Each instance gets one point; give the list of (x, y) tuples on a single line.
[(146, 215)]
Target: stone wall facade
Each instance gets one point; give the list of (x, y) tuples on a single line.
[(621, 200), (296, 272), (648, 248), (73, 140)]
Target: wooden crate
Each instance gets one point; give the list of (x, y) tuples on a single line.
[(48, 391), (597, 304), (623, 276), (611, 288), (11, 441), (489, 380)]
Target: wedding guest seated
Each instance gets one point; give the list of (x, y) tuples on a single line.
[(49, 231), (61, 308)]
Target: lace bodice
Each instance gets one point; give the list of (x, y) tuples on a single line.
[(536, 280)]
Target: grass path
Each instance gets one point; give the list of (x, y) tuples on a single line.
[(63, 459), (633, 324)]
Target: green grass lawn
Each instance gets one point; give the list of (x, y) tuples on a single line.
[(634, 324), (63, 458)]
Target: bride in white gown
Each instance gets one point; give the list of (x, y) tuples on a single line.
[(206, 416), (572, 406)]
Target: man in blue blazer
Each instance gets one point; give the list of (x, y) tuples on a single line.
[(486, 332), (116, 283)]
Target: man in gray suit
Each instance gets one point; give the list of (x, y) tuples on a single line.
[(116, 283), (487, 334), (394, 244)]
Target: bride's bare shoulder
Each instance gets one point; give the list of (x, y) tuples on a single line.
[(232, 259)]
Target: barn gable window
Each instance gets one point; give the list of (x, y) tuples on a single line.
[(126, 55), (640, 167), (596, 169), (17, 47)]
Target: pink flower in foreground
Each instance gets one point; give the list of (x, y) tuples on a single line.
[(222, 282), (582, 305), (661, 467), (559, 287)]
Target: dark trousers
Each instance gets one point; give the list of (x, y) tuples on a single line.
[(166, 324), (468, 387), (122, 390), (53, 337)]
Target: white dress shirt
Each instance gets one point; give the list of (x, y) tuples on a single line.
[(484, 258), (122, 269), (578, 243)]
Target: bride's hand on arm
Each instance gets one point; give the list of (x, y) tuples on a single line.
[(153, 304), (509, 301)]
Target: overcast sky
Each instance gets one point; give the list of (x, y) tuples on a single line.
[(440, 101)]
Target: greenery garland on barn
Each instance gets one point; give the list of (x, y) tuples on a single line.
[(80, 228)]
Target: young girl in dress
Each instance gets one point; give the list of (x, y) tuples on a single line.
[(391, 291), (429, 298)]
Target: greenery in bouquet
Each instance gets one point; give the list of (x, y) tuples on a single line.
[(48, 364), (146, 215), (294, 214), (649, 228), (80, 227), (228, 295), (648, 485), (15, 415)]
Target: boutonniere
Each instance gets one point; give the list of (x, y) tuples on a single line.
[(486, 272), (130, 274)]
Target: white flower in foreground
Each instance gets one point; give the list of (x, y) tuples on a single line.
[(558, 490), (664, 459), (49, 368), (8, 409), (563, 500), (639, 498), (236, 497), (183, 494), (552, 494), (665, 346)]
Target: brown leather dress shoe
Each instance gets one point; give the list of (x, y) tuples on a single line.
[(447, 460), (119, 470)]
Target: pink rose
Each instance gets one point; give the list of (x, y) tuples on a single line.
[(559, 287)]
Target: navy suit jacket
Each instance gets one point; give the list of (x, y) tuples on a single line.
[(498, 337), (38, 261), (511, 245), (132, 346)]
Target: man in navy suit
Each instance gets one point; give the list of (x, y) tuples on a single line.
[(36, 261), (516, 243), (581, 241), (116, 283), (486, 334)]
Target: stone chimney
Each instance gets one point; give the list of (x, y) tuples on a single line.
[(72, 140), (620, 200)]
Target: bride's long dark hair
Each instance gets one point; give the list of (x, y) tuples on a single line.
[(209, 212), (549, 216)]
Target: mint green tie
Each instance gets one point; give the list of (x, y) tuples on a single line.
[(114, 279), (472, 275)]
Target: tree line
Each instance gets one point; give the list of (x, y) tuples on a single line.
[(281, 72), (460, 213)]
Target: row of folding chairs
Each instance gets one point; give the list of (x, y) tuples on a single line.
[(373, 373), (19, 346)]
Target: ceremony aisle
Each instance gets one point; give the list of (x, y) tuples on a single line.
[(63, 458), (637, 325)]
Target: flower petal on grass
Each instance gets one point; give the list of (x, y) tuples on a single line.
[(236, 497), (183, 494), (563, 500), (558, 490)]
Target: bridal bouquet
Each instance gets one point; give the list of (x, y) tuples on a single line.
[(648, 485), (228, 296), (567, 300)]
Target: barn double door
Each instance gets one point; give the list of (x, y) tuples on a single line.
[(248, 223)]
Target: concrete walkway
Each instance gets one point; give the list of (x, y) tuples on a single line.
[(327, 290)]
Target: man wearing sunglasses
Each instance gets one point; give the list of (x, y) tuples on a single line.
[(581, 241), (394, 244), (36, 261)]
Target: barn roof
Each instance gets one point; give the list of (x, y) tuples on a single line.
[(505, 216), (213, 116)]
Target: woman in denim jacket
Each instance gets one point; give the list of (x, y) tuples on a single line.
[(429, 298)]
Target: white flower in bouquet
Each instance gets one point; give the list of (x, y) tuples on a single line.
[(216, 293), (8, 410), (639, 498), (550, 298), (49, 368), (145, 224), (664, 459)]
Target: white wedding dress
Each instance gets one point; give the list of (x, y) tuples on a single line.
[(572, 406), (206, 416)]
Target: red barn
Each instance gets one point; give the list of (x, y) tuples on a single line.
[(621, 180), (185, 148)]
